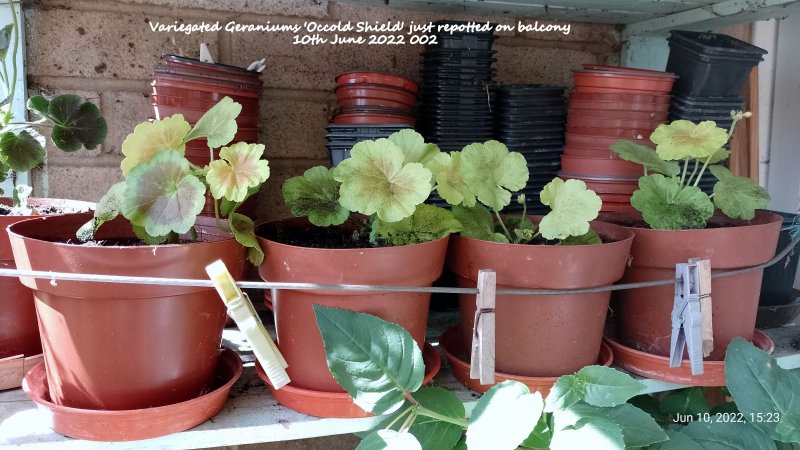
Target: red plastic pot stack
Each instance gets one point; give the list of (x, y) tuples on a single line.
[(191, 87), (609, 104), (375, 98)]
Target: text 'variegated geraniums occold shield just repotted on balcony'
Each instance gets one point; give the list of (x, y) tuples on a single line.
[(538, 335), (130, 346), (679, 221)]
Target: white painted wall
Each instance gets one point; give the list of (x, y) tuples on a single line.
[(781, 138)]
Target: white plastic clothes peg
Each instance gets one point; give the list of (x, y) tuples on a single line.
[(244, 314)]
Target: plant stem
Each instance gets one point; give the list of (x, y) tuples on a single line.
[(694, 172), (434, 415), (410, 420), (524, 211), (503, 225), (399, 416), (685, 168), (702, 171)]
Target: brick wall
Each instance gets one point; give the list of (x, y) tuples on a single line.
[(105, 51)]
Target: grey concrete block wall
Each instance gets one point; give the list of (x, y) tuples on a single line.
[(105, 50)]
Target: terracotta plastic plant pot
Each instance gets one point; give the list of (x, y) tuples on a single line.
[(183, 87), (372, 119), (377, 78), (655, 108), (193, 115), (19, 332), (543, 335), (176, 76), (249, 105), (124, 346), (615, 134), (298, 335), (657, 367), (350, 102), (597, 153), (628, 71), (605, 186), (600, 82), (210, 76), (621, 97), (599, 166), (610, 122), (382, 92), (610, 207), (644, 315), (598, 112), (574, 139), (337, 404), (130, 425), (167, 89), (457, 359)]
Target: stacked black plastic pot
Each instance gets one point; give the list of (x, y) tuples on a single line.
[(456, 89), (342, 138), (712, 70), (530, 120)]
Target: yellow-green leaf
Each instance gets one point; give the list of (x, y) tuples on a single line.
[(683, 139), (450, 184), (492, 172), (149, 138), (239, 168), (573, 207)]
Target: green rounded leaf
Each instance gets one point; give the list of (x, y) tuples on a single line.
[(597, 434), (604, 386), (567, 391), (389, 440), (683, 139), (645, 156), (218, 124), (687, 402), (21, 152), (414, 147), (714, 435), (76, 123), (503, 417), (573, 207), (764, 389), (448, 173), (492, 172), (315, 194), (162, 195), (375, 361), (677, 441), (477, 223), (433, 433), (149, 138), (666, 205), (590, 238), (737, 197), (377, 180), (428, 223), (637, 427), (239, 169), (717, 157)]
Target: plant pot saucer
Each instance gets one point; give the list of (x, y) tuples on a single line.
[(450, 343), (130, 425), (336, 404), (657, 367)]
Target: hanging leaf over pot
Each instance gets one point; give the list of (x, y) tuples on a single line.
[(162, 195), (639, 154), (477, 223), (666, 205), (428, 223), (315, 195), (737, 197), (76, 124), (572, 208), (21, 151)]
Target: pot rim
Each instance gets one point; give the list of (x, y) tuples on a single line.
[(225, 237), (717, 217), (625, 230), (348, 250)]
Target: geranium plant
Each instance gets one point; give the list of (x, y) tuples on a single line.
[(669, 198), (479, 181), (72, 123), (597, 407), (386, 180), (163, 193)]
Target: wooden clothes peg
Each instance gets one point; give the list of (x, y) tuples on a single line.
[(483, 330)]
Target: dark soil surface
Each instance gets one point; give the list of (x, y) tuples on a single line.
[(318, 237), (6, 210)]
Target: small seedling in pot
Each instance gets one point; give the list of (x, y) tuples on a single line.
[(670, 199), (70, 122), (163, 193)]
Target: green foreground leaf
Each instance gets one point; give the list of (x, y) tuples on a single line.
[(503, 417)]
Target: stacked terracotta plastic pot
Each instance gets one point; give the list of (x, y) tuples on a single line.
[(191, 87), (609, 104), (370, 105)]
